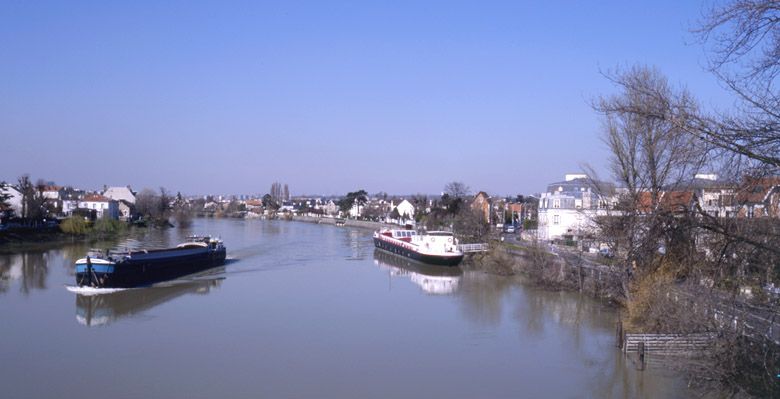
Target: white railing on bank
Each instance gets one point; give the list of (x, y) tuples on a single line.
[(469, 248)]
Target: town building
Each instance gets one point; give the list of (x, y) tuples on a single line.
[(482, 204), (126, 210), (405, 209), (120, 193), (103, 206), (568, 208), (715, 196), (759, 197)]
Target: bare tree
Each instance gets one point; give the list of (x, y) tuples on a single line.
[(35, 205), (147, 203), (457, 189), (650, 156), (743, 39), (420, 202)]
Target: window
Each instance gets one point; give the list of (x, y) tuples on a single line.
[(556, 203), (556, 219)]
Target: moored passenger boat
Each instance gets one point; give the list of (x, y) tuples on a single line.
[(433, 247), (146, 267)]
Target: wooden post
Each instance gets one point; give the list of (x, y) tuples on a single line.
[(619, 332), (642, 355)]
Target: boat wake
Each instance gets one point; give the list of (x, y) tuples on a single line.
[(92, 290)]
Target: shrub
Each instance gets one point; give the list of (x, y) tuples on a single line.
[(108, 226), (75, 226)]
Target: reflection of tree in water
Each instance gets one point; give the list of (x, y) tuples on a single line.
[(29, 268), (482, 296), (535, 306), (587, 328), (5, 273)]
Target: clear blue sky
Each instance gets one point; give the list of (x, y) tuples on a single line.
[(329, 97)]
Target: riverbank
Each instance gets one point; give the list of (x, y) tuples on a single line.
[(361, 224), (15, 241)]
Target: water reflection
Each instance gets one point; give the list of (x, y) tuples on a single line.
[(356, 244), (28, 269), (103, 309), (483, 297), (437, 280)]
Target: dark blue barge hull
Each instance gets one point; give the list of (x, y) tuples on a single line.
[(149, 267)]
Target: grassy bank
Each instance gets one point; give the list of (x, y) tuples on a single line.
[(73, 230)]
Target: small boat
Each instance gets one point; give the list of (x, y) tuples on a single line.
[(433, 247), (147, 267)]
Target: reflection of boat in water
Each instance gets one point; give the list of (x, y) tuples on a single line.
[(146, 267), (440, 280), (96, 310), (433, 247)]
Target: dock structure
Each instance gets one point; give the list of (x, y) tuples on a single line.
[(472, 248), (667, 344)]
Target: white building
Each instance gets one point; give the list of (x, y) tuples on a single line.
[(328, 208), (120, 193), (125, 209), (103, 207), (52, 193), (69, 205), (568, 207), (405, 212), (405, 209), (716, 197), (356, 210)]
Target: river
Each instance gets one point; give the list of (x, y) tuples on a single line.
[(306, 311)]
